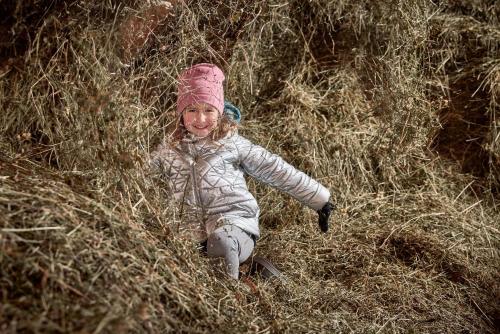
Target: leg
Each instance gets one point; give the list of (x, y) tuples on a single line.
[(231, 244)]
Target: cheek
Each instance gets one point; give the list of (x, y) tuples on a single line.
[(187, 120), (214, 120)]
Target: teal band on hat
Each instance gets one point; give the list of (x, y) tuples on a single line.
[(233, 112)]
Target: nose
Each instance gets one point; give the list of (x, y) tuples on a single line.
[(200, 117)]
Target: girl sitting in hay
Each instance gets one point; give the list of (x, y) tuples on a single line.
[(205, 160)]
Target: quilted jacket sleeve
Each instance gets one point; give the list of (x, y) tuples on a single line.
[(273, 170), (154, 161), (159, 160)]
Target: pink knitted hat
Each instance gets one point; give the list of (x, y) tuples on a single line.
[(201, 83)]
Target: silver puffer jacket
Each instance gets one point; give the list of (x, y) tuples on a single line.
[(207, 177)]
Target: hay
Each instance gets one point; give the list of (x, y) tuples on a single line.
[(392, 105)]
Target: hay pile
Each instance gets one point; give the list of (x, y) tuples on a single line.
[(393, 105)]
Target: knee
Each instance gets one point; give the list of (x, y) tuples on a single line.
[(220, 244)]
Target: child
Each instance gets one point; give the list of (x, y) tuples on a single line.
[(205, 162)]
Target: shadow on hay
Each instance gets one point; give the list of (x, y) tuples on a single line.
[(466, 127), (422, 257)]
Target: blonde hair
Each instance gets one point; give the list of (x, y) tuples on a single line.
[(224, 127)]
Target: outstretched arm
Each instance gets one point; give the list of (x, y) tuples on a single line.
[(273, 170)]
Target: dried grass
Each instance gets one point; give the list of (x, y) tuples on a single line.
[(366, 96)]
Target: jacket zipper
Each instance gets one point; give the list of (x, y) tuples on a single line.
[(196, 189)]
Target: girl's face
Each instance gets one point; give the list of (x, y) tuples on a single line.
[(200, 119)]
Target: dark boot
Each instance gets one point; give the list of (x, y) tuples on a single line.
[(264, 268)]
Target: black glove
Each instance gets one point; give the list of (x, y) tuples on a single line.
[(324, 214)]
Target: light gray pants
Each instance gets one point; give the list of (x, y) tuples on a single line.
[(232, 244)]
